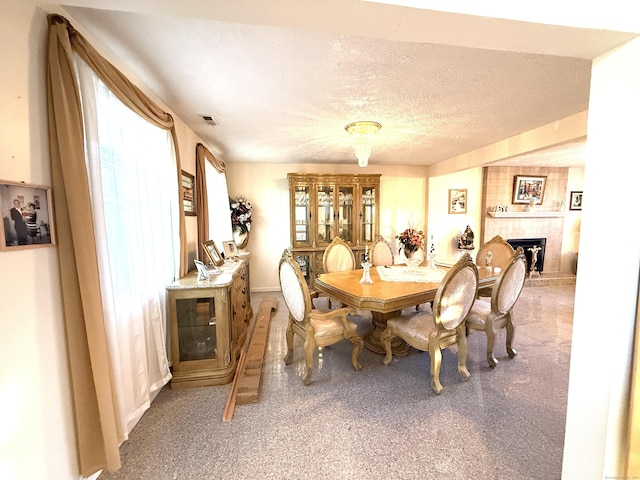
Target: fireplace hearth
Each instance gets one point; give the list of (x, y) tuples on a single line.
[(526, 244)]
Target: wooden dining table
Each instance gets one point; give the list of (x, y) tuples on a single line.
[(387, 299)]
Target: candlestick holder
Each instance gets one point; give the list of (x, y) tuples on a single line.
[(366, 275)]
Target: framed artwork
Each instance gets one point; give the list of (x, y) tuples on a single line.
[(230, 249), (188, 194), (212, 252), (575, 201), (27, 216), (457, 200), (528, 189)]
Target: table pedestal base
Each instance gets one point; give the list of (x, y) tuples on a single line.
[(372, 339)]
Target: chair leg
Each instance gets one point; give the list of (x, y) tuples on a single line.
[(491, 340), (463, 350), (309, 347), (352, 335), (385, 338), (510, 333), (289, 336), (436, 360)]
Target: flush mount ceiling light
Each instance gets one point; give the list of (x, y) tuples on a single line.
[(363, 136)]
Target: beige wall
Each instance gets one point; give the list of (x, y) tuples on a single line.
[(403, 193)]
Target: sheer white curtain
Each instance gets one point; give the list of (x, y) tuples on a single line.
[(218, 204), (131, 166)]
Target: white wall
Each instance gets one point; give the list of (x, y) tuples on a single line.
[(445, 227), (402, 200), (571, 230), (37, 439), (607, 282)]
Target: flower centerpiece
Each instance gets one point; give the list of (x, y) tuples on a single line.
[(410, 240)]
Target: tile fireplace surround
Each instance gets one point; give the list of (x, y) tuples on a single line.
[(498, 188)]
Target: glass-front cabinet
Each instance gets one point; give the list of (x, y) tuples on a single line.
[(208, 324), (323, 206)]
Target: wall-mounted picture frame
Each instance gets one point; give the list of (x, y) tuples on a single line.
[(575, 200), (212, 253), (188, 194), (457, 200), (27, 216), (528, 189), (230, 249)]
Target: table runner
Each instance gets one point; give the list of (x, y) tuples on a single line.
[(404, 274)]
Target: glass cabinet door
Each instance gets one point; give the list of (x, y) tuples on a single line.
[(345, 213), (302, 215), (197, 337), (368, 216), (304, 262), (325, 213)]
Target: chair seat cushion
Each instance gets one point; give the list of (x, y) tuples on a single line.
[(326, 328), (418, 326), (479, 312)]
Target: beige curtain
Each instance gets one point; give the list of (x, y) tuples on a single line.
[(202, 201), (93, 396)]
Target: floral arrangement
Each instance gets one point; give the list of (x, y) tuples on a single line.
[(240, 213), (411, 239)]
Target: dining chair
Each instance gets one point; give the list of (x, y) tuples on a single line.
[(381, 252), (432, 331), (338, 257), (316, 328), (489, 316), (501, 253)]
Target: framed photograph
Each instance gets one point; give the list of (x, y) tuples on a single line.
[(457, 200), (575, 201), (528, 188), (203, 274), (188, 193), (212, 252), (230, 249), (27, 216)]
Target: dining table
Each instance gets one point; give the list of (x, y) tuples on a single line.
[(393, 289)]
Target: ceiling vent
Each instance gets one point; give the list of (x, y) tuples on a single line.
[(210, 120)]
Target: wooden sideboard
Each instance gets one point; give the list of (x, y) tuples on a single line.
[(208, 323)]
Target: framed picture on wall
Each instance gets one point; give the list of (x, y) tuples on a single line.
[(575, 201), (212, 253), (458, 200), (188, 193), (528, 189), (27, 216)]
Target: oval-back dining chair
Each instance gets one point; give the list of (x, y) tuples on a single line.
[(489, 316), (338, 257), (444, 325), (381, 252), (501, 253), (316, 328)]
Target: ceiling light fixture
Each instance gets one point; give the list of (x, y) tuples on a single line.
[(363, 136)]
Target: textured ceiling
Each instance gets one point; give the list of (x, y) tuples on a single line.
[(283, 94)]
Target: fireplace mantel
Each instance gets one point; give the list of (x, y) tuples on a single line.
[(533, 214)]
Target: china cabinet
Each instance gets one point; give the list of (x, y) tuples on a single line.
[(323, 206), (208, 324)]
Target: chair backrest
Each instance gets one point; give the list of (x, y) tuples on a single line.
[(509, 283), (381, 252), (500, 249), (456, 294), (338, 257), (294, 288)]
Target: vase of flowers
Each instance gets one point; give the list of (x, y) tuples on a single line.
[(411, 240), (431, 253), (240, 220)]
